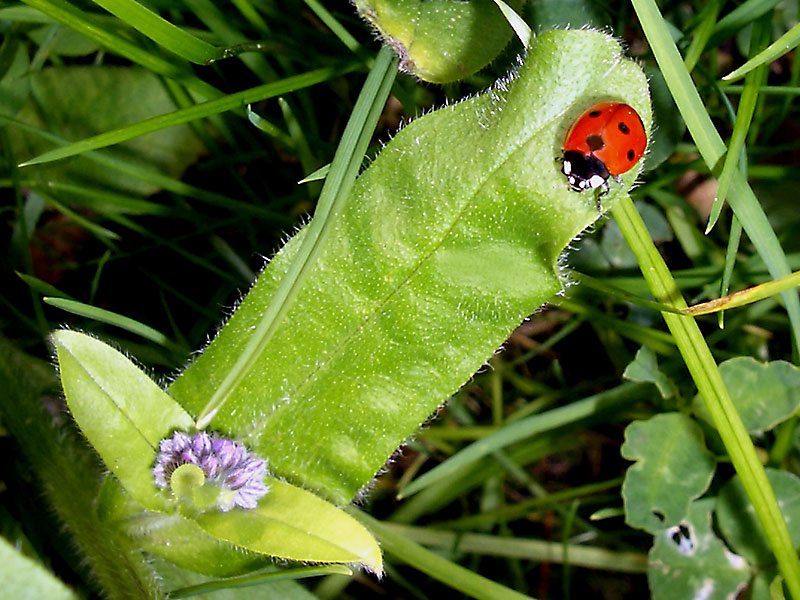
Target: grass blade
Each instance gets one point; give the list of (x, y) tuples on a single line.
[(105, 316), (162, 32), (711, 147), (80, 21), (340, 179), (199, 111), (778, 48)]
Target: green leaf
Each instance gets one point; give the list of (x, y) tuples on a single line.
[(688, 561), (63, 95), (738, 523), (440, 40), (644, 368), (24, 579), (173, 537), (765, 394), (64, 41), (119, 409), (673, 468), (295, 524), (446, 243), (288, 523)]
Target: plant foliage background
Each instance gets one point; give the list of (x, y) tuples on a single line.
[(605, 477)]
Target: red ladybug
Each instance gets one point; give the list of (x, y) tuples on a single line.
[(605, 141)]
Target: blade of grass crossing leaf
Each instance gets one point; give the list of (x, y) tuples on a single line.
[(162, 32), (781, 46), (710, 145), (199, 111), (451, 574), (106, 316), (711, 387), (708, 19), (730, 260), (744, 116), (80, 21), (344, 169)]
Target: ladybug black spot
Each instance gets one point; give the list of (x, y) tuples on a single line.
[(594, 114), (595, 142), (631, 154), (623, 128)]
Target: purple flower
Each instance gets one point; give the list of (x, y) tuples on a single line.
[(226, 464)]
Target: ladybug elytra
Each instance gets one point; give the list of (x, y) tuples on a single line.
[(606, 141)]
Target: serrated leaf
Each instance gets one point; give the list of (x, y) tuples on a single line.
[(688, 561), (294, 524), (447, 242), (440, 40), (120, 410), (764, 394), (737, 521), (673, 468), (644, 368)]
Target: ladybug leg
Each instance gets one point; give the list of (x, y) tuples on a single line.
[(598, 199)]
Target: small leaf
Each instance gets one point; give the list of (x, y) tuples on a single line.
[(764, 394), (292, 523), (674, 467), (440, 40), (688, 561), (738, 523), (644, 368), (119, 409), (173, 537)]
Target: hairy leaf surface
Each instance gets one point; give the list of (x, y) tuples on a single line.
[(447, 242)]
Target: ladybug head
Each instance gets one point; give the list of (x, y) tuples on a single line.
[(584, 171)]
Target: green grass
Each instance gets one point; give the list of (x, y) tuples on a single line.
[(141, 219)]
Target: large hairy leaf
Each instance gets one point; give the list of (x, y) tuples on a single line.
[(447, 242)]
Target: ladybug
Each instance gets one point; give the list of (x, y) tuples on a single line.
[(605, 141)]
